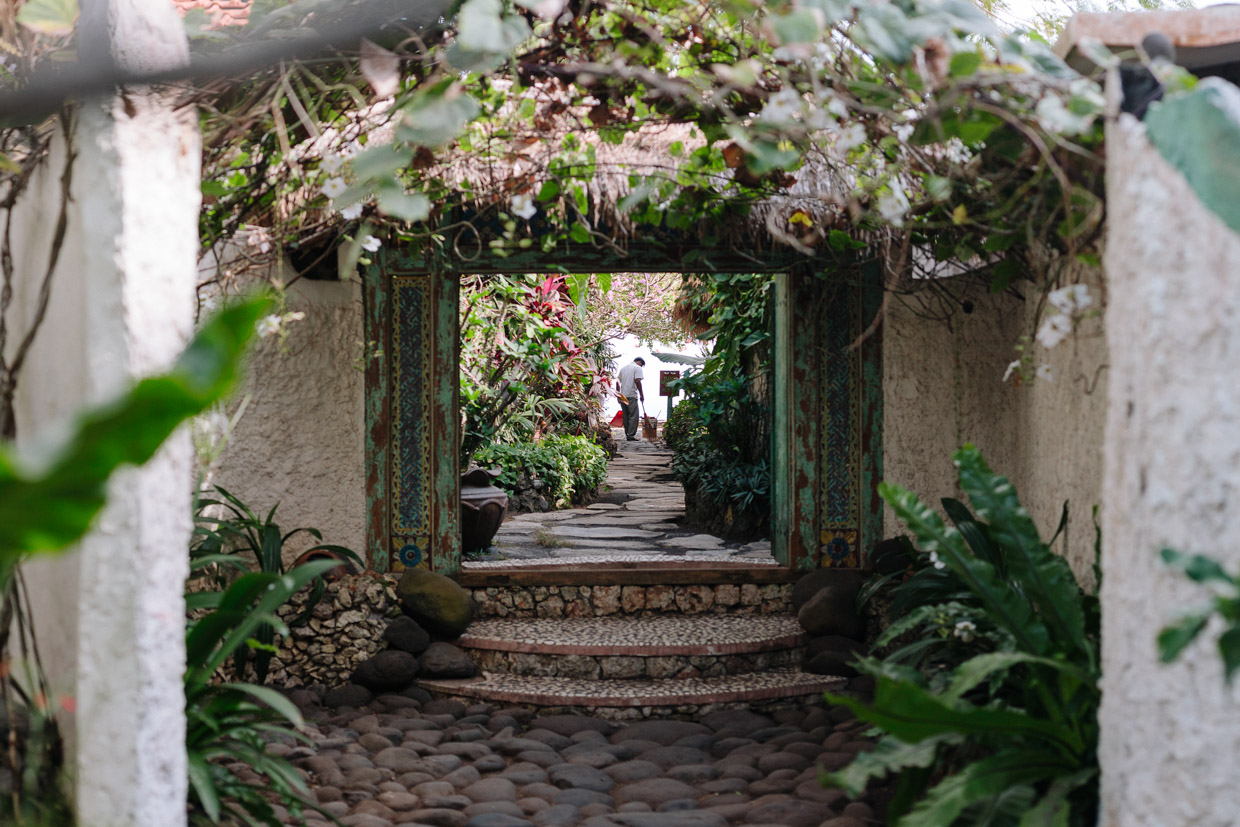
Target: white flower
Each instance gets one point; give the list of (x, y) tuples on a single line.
[(334, 187), (1054, 329), (836, 105), (1071, 298), (331, 163), (352, 211), (523, 206), (893, 204), (904, 131), (267, 326), (1044, 373), (938, 564), (1012, 367), (371, 244), (295, 316), (850, 137), (956, 152), (966, 630), (782, 107)]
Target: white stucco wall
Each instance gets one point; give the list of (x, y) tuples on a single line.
[(301, 440), (943, 386), (110, 615), (1170, 734)]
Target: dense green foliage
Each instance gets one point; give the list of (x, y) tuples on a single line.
[(571, 467), (218, 543), (998, 724), (1225, 604), (521, 369), (681, 423), (229, 723)]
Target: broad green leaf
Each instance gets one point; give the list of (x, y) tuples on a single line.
[(203, 785), (1046, 577), (964, 64), (45, 510), (407, 206), (482, 27), (1229, 649), (972, 532), (55, 18), (1054, 809), (1197, 567), (579, 233), (913, 714), (271, 698), (983, 780), (436, 115), (1172, 639), (381, 162), (889, 755), (802, 25), (1006, 606), (603, 281), (886, 30), (974, 671)]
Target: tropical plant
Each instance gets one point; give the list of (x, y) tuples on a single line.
[(229, 723), (45, 509), (217, 546), (572, 467), (680, 424), (1003, 731), (520, 366), (1175, 637)]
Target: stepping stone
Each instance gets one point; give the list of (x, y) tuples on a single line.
[(602, 533), (696, 541)]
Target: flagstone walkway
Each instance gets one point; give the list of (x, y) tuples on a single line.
[(636, 520)]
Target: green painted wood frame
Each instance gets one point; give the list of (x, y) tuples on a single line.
[(412, 428), (800, 502)]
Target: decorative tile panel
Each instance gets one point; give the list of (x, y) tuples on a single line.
[(842, 383), (412, 465)]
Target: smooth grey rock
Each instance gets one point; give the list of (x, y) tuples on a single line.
[(655, 791), (348, 695), (405, 634), (436, 602), (579, 776), (498, 820), (386, 671), (443, 660)]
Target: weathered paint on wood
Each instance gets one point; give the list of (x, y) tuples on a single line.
[(377, 313), (871, 410), (445, 425), (805, 380)]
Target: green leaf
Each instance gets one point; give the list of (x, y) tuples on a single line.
[(1006, 607), (964, 64), (55, 18), (981, 781), (381, 162), (1054, 809), (579, 233), (1229, 648), (1046, 577), (550, 189), (799, 26), (913, 714), (1004, 272), (603, 280), (407, 206), (482, 27), (1197, 567), (436, 115), (974, 671), (46, 510), (889, 755), (203, 785), (281, 705)]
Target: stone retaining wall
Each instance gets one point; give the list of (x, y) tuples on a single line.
[(611, 667), (344, 629), (601, 601)]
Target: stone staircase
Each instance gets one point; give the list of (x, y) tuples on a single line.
[(647, 663)]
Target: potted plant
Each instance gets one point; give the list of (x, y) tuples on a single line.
[(520, 368)]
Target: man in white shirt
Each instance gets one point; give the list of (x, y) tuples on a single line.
[(630, 393)]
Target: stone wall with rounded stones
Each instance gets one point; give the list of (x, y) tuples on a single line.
[(603, 601), (344, 629)]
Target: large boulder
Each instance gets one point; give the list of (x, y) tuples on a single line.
[(436, 602), (833, 655), (386, 671), (832, 611), (844, 581), (405, 634), (443, 660)]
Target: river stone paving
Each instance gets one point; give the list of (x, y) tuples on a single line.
[(406, 759), (638, 520)]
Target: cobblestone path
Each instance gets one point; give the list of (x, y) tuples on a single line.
[(637, 520)]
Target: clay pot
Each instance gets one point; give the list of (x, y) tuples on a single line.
[(346, 565), (483, 507)]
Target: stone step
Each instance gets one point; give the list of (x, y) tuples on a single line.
[(667, 646), (632, 699), (497, 597)]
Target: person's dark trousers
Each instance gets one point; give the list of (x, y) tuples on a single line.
[(631, 418)]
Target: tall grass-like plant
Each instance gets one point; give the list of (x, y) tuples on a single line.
[(226, 722), (1005, 731), (222, 542)]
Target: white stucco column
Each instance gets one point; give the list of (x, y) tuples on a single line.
[(110, 615), (1171, 477)]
